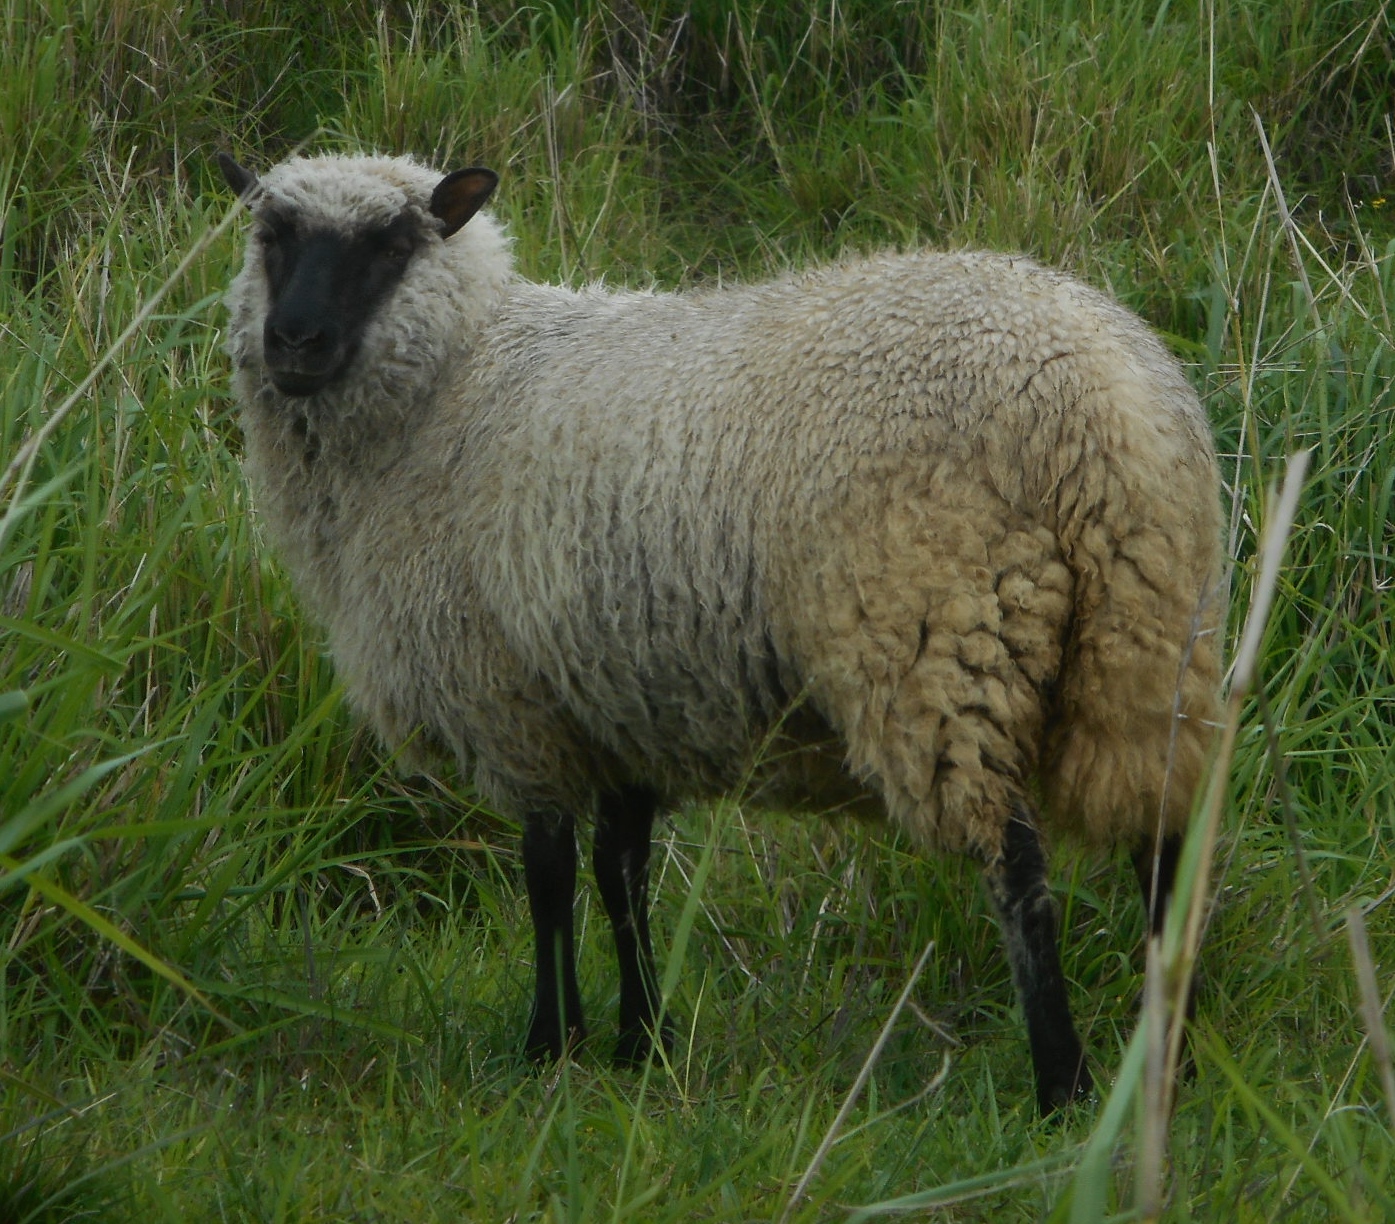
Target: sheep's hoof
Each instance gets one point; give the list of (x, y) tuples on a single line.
[(636, 1043), (544, 1043), (1053, 1099)]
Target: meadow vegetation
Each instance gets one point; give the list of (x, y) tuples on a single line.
[(247, 972)]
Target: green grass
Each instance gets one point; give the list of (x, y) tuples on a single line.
[(248, 973)]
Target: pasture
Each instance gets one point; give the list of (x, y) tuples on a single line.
[(250, 972)]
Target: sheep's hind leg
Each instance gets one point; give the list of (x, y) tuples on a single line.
[(549, 870), (1017, 884), (621, 860), (1156, 868)]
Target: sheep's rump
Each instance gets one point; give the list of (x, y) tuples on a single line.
[(958, 512)]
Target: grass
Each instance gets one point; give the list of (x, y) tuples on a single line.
[(247, 972)]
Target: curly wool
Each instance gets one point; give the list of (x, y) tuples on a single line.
[(914, 533)]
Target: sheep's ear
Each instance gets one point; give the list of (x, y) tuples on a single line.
[(241, 180), (460, 195)]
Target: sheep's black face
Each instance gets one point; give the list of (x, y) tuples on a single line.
[(325, 288)]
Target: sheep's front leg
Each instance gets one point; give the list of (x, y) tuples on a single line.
[(1017, 883), (549, 870), (621, 859)]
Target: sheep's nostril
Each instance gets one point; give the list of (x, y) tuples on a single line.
[(299, 341)]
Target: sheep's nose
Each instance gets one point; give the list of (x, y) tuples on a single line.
[(306, 339)]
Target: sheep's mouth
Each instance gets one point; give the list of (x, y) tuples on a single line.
[(299, 383), (307, 376)]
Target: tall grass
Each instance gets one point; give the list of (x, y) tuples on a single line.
[(249, 972)]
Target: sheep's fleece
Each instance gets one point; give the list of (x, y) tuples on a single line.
[(929, 533)]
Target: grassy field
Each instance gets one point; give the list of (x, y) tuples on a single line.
[(249, 973)]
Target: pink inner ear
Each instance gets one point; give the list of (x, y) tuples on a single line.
[(459, 196)]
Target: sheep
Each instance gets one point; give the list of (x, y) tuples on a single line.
[(929, 536)]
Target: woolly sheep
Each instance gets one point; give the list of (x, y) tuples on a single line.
[(930, 535)]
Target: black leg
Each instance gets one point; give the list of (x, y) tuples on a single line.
[(549, 869), (1156, 873), (1017, 884), (621, 860), (1156, 868)]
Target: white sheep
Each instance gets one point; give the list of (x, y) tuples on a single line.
[(931, 534)]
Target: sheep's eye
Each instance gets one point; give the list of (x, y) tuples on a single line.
[(266, 236), (396, 247)]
